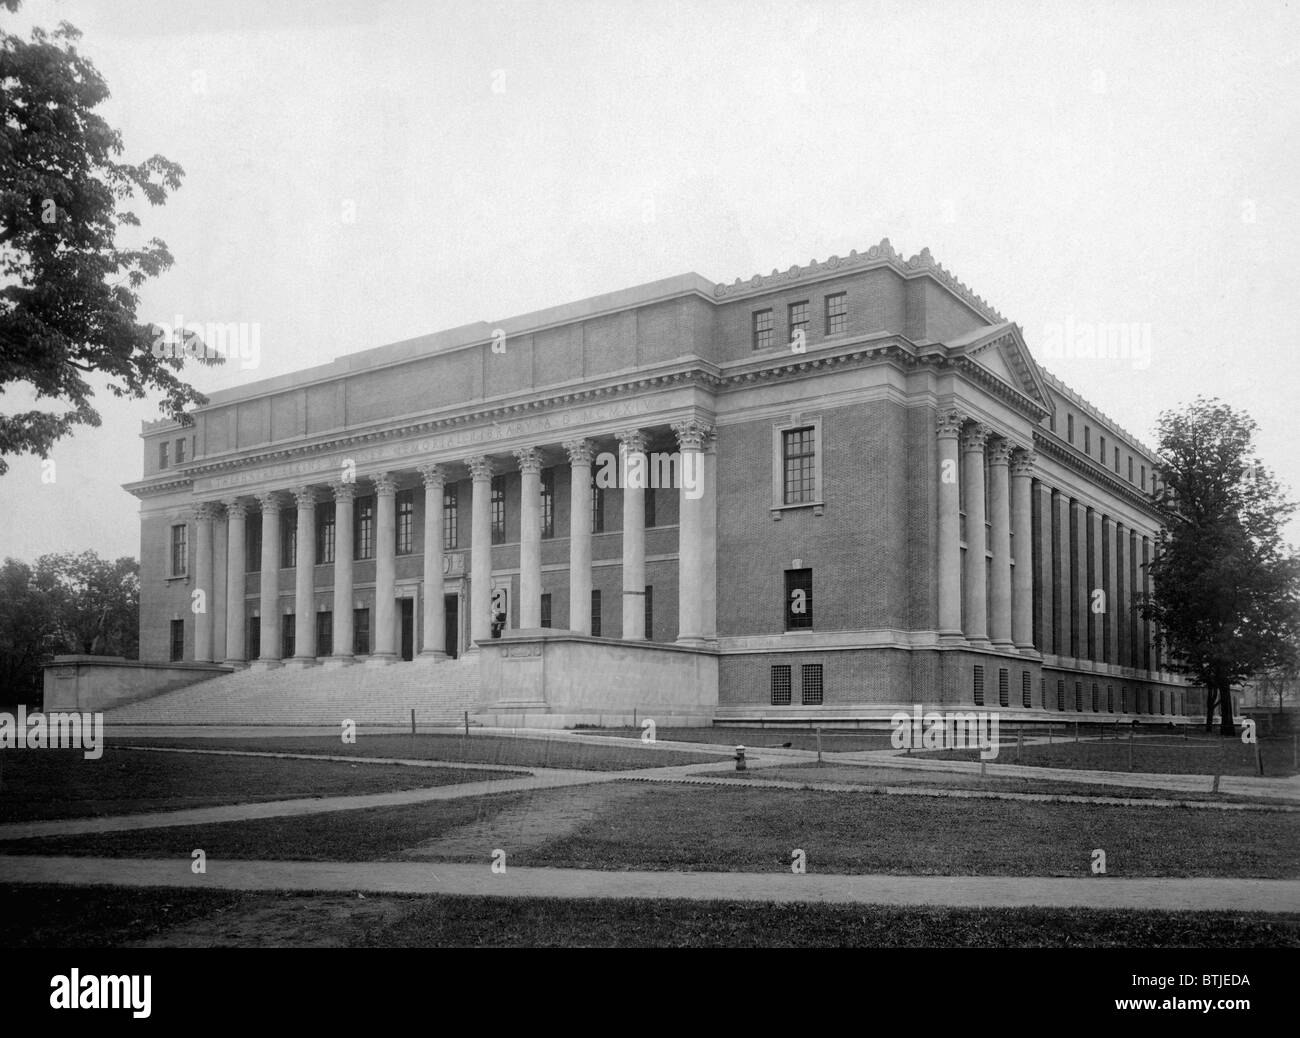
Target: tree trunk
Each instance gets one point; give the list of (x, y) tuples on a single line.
[(1226, 724), (1211, 696)]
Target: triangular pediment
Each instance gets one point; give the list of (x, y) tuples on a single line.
[(1001, 350)]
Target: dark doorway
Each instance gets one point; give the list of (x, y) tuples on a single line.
[(407, 606), (450, 603)]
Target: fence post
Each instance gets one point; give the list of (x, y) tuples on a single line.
[(466, 724), (1020, 742), (1130, 747), (1076, 731), (412, 720), (819, 744), (1259, 758)]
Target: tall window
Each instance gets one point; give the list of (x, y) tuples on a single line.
[(405, 522), (363, 534), (837, 313), (649, 507), (498, 510), (180, 451), (762, 329), (649, 613), (253, 544), (595, 614), (1130, 468), (325, 536), (450, 518), (180, 550), (597, 508), (798, 319), (799, 457), (1144, 477), (288, 538), (812, 684), (288, 640), (325, 634), (177, 640), (781, 684), (1101, 449), (978, 685), (254, 637), (163, 449), (1004, 687), (798, 599), (548, 502), (361, 632), (1069, 428), (546, 609), (1087, 439), (1116, 459)]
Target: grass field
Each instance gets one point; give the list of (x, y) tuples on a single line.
[(833, 741), (106, 917), (1161, 752), (62, 784), (623, 825), (477, 749)]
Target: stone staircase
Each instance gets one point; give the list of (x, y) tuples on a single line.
[(438, 692)]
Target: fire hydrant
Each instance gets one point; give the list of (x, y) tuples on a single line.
[(740, 758)]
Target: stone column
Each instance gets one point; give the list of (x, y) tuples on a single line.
[(530, 537), (1062, 574), (217, 604), (236, 549), (385, 632), (270, 581), (1044, 587), (1000, 521), (580, 455), (205, 602), (480, 552), (304, 562), (1120, 603), (1134, 614), (1022, 524), (1109, 636), (633, 472), (344, 498), (972, 445), (1096, 580), (1079, 579), (691, 567), (434, 629), (949, 529)]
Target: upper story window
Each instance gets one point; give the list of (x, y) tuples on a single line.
[(180, 451), (837, 313), (1101, 449), (597, 509), (762, 329), (405, 522), (450, 518), (799, 455), (1144, 477), (1130, 468), (548, 502), (798, 599), (363, 536), (1116, 459), (164, 449), (288, 538), (498, 510), (798, 319), (180, 550), (325, 533), (1087, 439), (649, 507), (253, 544), (1069, 428)]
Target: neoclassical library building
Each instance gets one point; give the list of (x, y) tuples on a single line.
[(819, 495)]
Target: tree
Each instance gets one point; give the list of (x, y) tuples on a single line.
[(1225, 587), (64, 604), (69, 295)]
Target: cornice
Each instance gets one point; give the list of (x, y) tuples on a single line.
[(880, 255), (1051, 445), (1065, 391)]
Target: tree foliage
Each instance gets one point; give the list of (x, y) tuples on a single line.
[(65, 603), (68, 289), (1226, 587)]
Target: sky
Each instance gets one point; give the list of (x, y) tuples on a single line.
[(357, 173)]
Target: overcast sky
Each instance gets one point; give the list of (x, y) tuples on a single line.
[(362, 172)]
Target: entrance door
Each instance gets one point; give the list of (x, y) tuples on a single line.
[(450, 603), (407, 606)]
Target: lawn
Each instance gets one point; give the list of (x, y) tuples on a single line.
[(677, 827), (49, 784), (559, 752), (833, 741), (1154, 752), (106, 917)]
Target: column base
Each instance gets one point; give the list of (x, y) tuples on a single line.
[(335, 662), (1005, 645), (979, 643), (261, 665), (300, 663), (951, 638), (1029, 650), (235, 664), (381, 659), (433, 654), (694, 641)]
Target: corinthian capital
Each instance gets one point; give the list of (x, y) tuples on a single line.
[(949, 422), (434, 476), (480, 468), (530, 460), (1024, 462), (385, 483), (692, 434), (580, 451), (975, 437)]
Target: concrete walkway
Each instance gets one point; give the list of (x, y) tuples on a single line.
[(1229, 895)]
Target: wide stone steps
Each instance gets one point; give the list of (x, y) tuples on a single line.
[(439, 693)]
